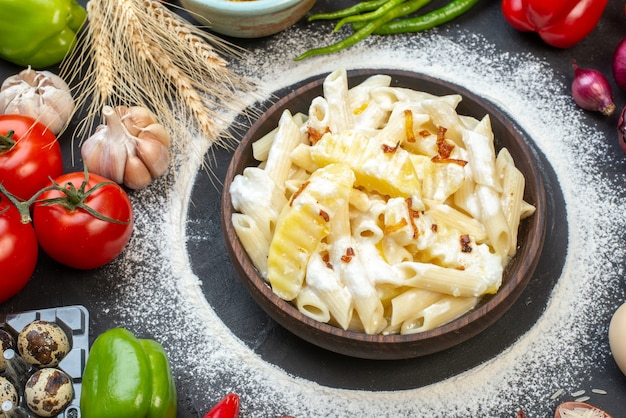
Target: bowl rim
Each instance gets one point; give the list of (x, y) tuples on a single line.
[(245, 7), (352, 342)]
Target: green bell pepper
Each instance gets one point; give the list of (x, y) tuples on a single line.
[(127, 377), (39, 33)]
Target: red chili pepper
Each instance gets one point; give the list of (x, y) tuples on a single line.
[(560, 23), (227, 407)]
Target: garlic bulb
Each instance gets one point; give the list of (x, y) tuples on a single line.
[(131, 148), (41, 95)]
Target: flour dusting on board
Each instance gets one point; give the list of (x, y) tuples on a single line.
[(205, 352)]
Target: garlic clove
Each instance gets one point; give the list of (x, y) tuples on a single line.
[(136, 175), (103, 156), (157, 132), (135, 118), (154, 155)]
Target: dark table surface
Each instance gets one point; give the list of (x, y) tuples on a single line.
[(134, 292)]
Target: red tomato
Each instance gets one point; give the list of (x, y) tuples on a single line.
[(227, 407), (18, 250), (27, 165), (74, 237)]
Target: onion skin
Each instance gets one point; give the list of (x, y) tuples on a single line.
[(619, 64), (621, 130), (592, 91)]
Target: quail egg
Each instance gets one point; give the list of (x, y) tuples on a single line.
[(43, 343), (6, 342), (7, 393), (617, 337), (48, 392)]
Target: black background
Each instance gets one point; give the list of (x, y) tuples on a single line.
[(276, 345)]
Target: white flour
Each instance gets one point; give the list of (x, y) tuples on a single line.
[(552, 355)]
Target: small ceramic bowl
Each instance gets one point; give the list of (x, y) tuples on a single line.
[(517, 273), (247, 18), (581, 407)]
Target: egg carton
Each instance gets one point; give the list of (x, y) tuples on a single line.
[(75, 322)]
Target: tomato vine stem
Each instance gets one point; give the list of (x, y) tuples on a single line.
[(73, 199)]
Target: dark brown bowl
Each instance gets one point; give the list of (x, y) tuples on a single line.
[(386, 347)]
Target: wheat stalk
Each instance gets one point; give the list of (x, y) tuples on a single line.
[(138, 52)]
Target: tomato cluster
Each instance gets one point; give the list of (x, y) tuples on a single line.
[(79, 219)]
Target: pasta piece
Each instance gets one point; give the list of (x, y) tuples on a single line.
[(439, 180), (261, 147), (301, 157), (388, 172), (411, 303), (327, 285), (253, 240), (360, 94), (513, 184), (311, 305), (379, 271), (527, 210), (302, 224), (448, 217), (442, 279), (346, 256), (367, 114), (441, 312), (366, 302), (403, 123), (481, 155), (359, 200), (465, 197), (335, 89), (442, 114), (364, 226), (393, 252), (255, 194), (286, 139), (424, 143), (318, 123), (397, 222), (390, 96), (494, 220)]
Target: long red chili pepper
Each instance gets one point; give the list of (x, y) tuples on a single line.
[(560, 23), (227, 407)]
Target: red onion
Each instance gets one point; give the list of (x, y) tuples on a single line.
[(619, 64), (621, 130), (592, 91)]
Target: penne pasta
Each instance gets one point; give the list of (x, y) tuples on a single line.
[(336, 94), (382, 210), (253, 240), (446, 280), (409, 304), (442, 311), (287, 137), (494, 220), (310, 304)]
